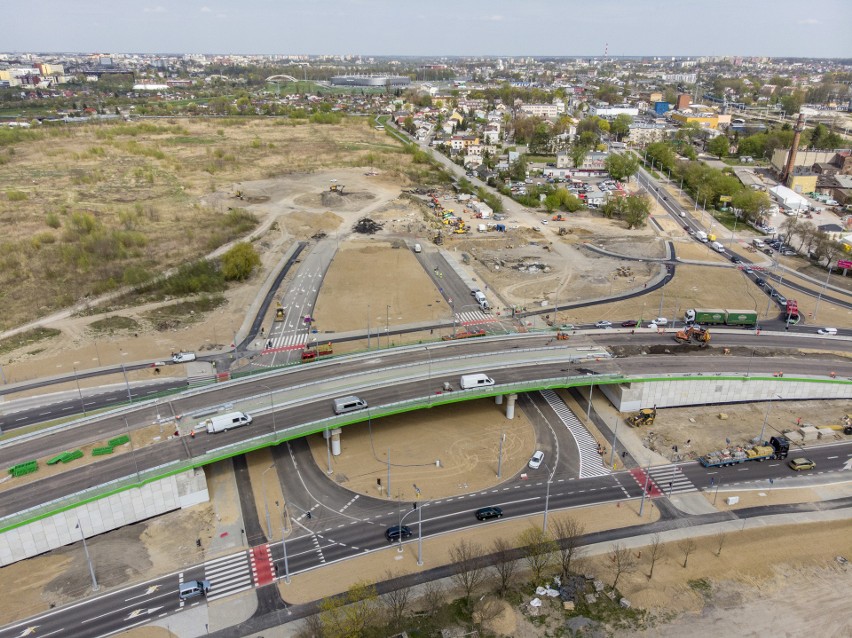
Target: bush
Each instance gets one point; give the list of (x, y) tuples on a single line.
[(239, 262), (16, 196), (53, 220), (197, 277)]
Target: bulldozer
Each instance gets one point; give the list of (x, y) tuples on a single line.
[(439, 239), (646, 416), (558, 218), (701, 335)]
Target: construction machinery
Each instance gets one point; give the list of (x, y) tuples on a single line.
[(335, 187), (695, 333), (279, 313), (559, 218), (776, 448), (646, 416), (439, 239)]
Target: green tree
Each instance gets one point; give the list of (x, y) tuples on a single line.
[(239, 262), (622, 166), (620, 126), (719, 146), (752, 204), (637, 210)]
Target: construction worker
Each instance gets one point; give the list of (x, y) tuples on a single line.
[(192, 434)]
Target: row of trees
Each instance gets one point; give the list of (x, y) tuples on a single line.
[(362, 612)]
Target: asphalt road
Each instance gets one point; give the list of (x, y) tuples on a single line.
[(356, 372), (336, 533)]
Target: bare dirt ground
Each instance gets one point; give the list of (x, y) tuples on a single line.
[(395, 278), (464, 437), (699, 430), (132, 553)]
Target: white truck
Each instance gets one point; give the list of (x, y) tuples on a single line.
[(225, 422), (700, 235)]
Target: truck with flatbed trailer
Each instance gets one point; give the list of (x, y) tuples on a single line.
[(720, 316), (776, 448)]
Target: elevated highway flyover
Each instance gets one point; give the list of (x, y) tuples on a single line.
[(297, 401)]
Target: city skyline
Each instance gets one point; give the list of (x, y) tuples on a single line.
[(478, 28)]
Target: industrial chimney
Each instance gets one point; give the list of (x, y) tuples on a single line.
[(791, 158)]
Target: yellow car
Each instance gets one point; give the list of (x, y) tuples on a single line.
[(802, 463)]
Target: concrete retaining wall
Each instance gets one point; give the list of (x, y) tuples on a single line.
[(630, 397), (152, 499)]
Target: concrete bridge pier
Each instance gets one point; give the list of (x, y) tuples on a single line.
[(498, 399), (510, 405), (332, 438)]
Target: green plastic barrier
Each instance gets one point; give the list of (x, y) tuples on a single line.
[(72, 456), (23, 468), (100, 451), (57, 459), (121, 440)]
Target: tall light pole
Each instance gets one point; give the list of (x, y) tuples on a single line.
[(766, 417), (546, 498), (387, 324), (824, 286), (284, 549), (132, 450), (95, 586), (126, 383), (271, 408), (419, 528), (645, 488), (368, 327), (614, 441), (79, 391), (500, 456), (265, 502)]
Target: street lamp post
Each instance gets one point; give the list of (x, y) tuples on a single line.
[(126, 383), (271, 409), (546, 498), (286, 564), (645, 488), (824, 286), (95, 586), (614, 441), (265, 502), (766, 417), (79, 391), (387, 324)]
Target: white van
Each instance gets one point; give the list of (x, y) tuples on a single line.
[(225, 422), (349, 404), (757, 243), (469, 381), (418, 248), (193, 588), (719, 248), (480, 297), (827, 331), (701, 236)]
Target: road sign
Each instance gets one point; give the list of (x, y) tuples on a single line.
[(844, 263), (724, 198)]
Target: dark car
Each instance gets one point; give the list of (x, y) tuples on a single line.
[(628, 324), (759, 281), (487, 513), (396, 532)]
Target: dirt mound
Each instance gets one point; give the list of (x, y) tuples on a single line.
[(367, 226), (303, 225), (335, 200)]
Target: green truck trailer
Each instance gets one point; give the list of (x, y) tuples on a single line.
[(720, 316)]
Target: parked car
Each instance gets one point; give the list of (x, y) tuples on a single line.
[(802, 463), (536, 460), (628, 324), (487, 513), (827, 331), (788, 253), (661, 321), (183, 357), (396, 532), (603, 323)]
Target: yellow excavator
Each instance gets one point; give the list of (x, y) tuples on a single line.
[(646, 416), (279, 313), (701, 335)]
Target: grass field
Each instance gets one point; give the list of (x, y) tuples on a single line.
[(87, 209)]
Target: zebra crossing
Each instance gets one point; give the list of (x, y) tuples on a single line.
[(590, 460), (287, 341), (228, 575), (670, 480), (474, 317), (663, 480)]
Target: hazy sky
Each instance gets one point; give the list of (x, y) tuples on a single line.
[(803, 28)]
